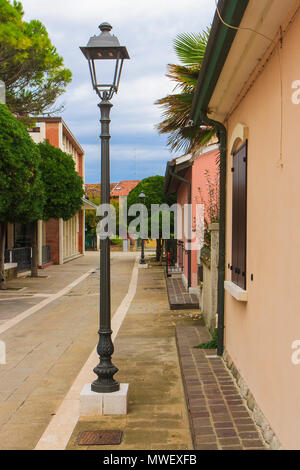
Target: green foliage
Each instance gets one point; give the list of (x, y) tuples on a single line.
[(116, 205), (116, 241), (213, 344), (153, 222), (63, 186), (21, 186), (190, 48), (30, 66), (176, 108), (91, 222), (153, 187), (91, 219)]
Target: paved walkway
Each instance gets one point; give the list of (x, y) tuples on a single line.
[(24, 293), (219, 417), (46, 350), (146, 355)]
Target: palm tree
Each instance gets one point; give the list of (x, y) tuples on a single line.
[(190, 49)]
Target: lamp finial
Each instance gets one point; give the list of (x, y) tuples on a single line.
[(105, 27)]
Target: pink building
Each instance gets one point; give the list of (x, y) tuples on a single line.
[(188, 176), (250, 87)]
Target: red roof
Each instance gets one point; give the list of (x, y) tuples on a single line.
[(94, 190), (123, 188)]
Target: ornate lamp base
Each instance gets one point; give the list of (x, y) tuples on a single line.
[(99, 387), (105, 369)]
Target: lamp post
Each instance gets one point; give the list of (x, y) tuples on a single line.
[(105, 47), (142, 198)]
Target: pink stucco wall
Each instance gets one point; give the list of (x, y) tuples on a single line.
[(259, 333), (197, 176)]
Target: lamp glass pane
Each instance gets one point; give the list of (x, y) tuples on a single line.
[(105, 71)]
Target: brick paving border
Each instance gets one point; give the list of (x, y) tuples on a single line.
[(218, 415), (179, 297)]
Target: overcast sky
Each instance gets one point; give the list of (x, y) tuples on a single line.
[(147, 29)]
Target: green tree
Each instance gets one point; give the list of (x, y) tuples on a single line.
[(176, 107), (63, 189), (91, 218), (63, 185), (21, 186), (30, 66), (153, 188)]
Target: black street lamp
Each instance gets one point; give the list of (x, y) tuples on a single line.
[(142, 198), (105, 47)]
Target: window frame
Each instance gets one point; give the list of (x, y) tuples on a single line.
[(239, 216)]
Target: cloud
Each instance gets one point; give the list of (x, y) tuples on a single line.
[(124, 12), (123, 152), (148, 30)]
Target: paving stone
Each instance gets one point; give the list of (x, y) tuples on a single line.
[(206, 440), (206, 447), (224, 425), (226, 441), (252, 443), (205, 431), (232, 447), (226, 432), (249, 435)]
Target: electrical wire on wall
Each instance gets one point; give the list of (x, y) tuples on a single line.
[(238, 28), (272, 41)]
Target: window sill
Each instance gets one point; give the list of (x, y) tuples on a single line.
[(236, 292)]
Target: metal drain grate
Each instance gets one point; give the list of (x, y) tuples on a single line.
[(100, 438)]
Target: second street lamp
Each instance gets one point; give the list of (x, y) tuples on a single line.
[(105, 47), (142, 198)]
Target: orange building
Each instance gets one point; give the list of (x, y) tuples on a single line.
[(123, 188), (58, 240), (93, 191)]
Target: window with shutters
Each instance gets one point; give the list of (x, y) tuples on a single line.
[(239, 216)]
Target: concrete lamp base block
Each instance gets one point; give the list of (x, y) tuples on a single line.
[(99, 404), (143, 266)]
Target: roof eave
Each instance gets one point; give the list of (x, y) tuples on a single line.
[(218, 48), (176, 167), (89, 205), (168, 177)]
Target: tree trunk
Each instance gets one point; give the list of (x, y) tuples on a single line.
[(34, 244), (3, 226), (162, 250), (157, 249)]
